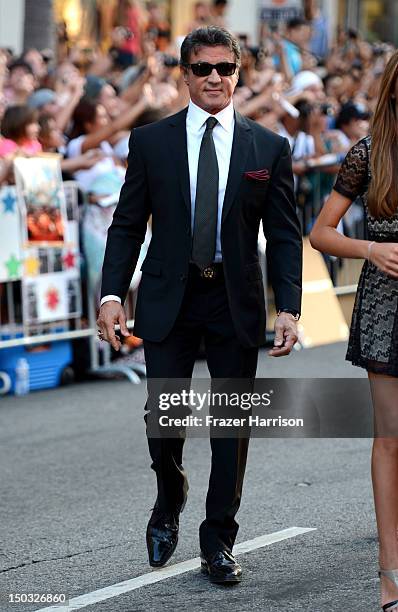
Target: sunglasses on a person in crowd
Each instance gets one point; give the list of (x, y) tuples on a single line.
[(202, 69)]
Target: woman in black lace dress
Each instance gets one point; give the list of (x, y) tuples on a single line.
[(370, 172)]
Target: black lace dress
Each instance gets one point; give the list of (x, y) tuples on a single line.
[(373, 342)]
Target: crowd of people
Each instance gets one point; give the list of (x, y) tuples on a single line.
[(319, 93), (82, 103)]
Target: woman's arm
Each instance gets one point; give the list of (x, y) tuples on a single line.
[(82, 162), (131, 94), (65, 113), (92, 141), (351, 183), (325, 238)]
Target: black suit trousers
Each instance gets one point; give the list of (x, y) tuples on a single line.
[(204, 316)]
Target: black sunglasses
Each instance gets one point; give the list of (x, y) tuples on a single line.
[(202, 69)]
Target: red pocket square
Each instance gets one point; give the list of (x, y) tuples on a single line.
[(258, 175)]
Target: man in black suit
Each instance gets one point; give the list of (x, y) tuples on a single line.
[(208, 176)]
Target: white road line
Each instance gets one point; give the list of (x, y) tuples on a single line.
[(76, 603)]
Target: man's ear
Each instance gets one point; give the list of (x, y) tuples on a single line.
[(184, 74)]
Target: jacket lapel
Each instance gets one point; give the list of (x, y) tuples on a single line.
[(178, 145), (242, 140)]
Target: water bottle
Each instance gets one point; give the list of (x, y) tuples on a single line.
[(22, 377)]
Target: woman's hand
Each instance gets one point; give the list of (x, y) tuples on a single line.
[(158, 95), (384, 255), (90, 158)]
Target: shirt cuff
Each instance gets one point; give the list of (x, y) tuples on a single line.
[(110, 298)]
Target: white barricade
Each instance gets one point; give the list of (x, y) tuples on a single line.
[(40, 284)]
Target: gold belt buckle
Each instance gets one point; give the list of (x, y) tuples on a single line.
[(208, 273)]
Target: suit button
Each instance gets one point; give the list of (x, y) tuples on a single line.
[(183, 278)]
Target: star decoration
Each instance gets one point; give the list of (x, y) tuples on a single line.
[(32, 266), (69, 260), (9, 202), (52, 298), (12, 266)]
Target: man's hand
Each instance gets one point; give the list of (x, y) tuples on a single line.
[(286, 335), (110, 314)]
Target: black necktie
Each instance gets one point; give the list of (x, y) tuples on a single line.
[(206, 201)]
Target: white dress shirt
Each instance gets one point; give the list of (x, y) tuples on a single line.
[(223, 134)]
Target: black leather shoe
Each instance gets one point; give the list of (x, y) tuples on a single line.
[(221, 567), (162, 537)]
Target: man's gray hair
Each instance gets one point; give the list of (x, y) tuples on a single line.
[(210, 36)]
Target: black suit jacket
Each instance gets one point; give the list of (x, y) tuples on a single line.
[(157, 184)]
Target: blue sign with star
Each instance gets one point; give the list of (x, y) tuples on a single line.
[(9, 201)]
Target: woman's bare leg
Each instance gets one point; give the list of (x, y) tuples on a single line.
[(385, 475)]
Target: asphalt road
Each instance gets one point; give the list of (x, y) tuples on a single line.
[(77, 489)]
